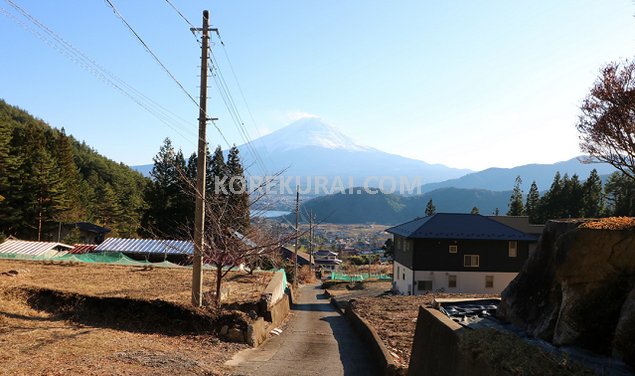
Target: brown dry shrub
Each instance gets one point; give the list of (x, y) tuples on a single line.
[(306, 275), (611, 223)]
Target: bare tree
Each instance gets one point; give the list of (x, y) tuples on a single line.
[(607, 122), (225, 248)]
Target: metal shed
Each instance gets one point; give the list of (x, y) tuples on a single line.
[(33, 248)]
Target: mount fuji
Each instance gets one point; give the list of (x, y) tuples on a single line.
[(310, 147)]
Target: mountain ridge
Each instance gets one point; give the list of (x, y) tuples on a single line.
[(500, 179), (390, 209), (310, 147)]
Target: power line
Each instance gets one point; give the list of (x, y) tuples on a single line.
[(147, 48), (76, 56), (219, 80), (225, 93), (180, 14), (242, 125), (228, 99), (156, 58), (240, 89), (193, 29)]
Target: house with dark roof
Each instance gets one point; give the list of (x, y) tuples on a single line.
[(288, 253), (452, 252), (89, 233), (520, 223)]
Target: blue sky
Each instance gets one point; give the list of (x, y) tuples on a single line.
[(470, 84)]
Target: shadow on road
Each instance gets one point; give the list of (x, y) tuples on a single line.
[(317, 307), (354, 353)]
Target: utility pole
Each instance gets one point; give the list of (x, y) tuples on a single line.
[(297, 235), (199, 214)]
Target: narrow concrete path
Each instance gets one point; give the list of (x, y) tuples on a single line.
[(316, 341)]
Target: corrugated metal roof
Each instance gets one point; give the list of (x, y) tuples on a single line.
[(174, 247), (24, 247), (246, 241), (82, 248), (459, 226)]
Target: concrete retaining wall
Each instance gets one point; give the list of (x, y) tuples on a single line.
[(376, 345), (275, 305), (275, 289), (435, 350)]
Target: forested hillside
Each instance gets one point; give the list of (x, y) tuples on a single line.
[(47, 177), (567, 197), (379, 207)]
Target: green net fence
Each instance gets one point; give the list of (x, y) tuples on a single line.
[(116, 258), (359, 277)]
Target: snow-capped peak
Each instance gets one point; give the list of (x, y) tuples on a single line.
[(308, 132)]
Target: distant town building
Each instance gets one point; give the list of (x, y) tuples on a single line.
[(327, 260)]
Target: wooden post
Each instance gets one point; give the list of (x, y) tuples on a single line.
[(199, 214)]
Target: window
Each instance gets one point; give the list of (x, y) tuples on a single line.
[(404, 276), (470, 261), (513, 248), (424, 285), (454, 248), (407, 245), (489, 281), (452, 281), (398, 272)]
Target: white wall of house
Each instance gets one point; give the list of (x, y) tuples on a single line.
[(466, 282), (402, 278)]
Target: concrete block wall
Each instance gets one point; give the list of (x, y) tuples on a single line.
[(436, 352)]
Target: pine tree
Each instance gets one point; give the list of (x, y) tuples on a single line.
[(217, 171), (164, 217), (70, 180), (238, 195), (532, 204), (191, 169), (620, 195), (430, 209), (5, 145), (109, 209), (184, 200), (516, 200), (46, 199), (572, 197), (551, 202), (164, 169), (592, 198), (7, 171)]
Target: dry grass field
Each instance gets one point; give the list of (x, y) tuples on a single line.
[(169, 284), (36, 339)]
